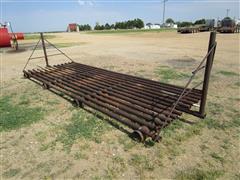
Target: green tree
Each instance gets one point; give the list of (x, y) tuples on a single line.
[(200, 21), (139, 23), (107, 26), (185, 24), (169, 21), (85, 27), (112, 26), (99, 27)]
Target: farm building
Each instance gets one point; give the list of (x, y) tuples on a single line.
[(73, 27), (152, 26), (171, 25)]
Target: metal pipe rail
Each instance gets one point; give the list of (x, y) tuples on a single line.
[(144, 105)]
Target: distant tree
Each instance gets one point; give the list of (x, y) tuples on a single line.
[(169, 21), (102, 27), (99, 27), (185, 24), (130, 24), (107, 26), (121, 25), (228, 18), (139, 23), (200, 21), (112, 26), (85, 27)]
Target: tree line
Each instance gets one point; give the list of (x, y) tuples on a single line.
[(85, 27), (186, 23), (135, 24), (130, 24)]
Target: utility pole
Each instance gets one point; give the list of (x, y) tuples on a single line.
[(164, 2), (227, 12)]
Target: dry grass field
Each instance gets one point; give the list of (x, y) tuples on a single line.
[(43, 136)]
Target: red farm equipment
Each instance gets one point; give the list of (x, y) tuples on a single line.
[(9, 39), (5, 40)]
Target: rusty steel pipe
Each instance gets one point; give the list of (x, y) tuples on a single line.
[(101, 86)]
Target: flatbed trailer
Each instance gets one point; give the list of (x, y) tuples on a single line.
[(184, 30)]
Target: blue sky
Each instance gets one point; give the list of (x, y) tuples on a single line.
[(54, 15)]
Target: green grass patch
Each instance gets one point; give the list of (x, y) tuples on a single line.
[(11, 173), (109, 67), (166, 73), (127, 142), (228, 73), (215, 108), (237, 84), (14, 116), (83, 125), (233, 122), (125, 31), (37, 36), (80, 155), (217, 157), (115, 169), (63, 45), (172, 128), (141, 162), (198, 174), (178, 131)]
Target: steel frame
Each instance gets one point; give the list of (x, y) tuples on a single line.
[(144, 105)]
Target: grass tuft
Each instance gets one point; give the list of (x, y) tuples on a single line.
[(63, 45), (80, 155), (83, 125), (166, 73), (237, 84), (217, 157), (198, 174), (141, 162), (11, 173), (127, 142), (37, 36), (228, 73), (16, 116)]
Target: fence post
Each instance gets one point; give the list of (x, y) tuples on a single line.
[(207, 73), (44, 49)]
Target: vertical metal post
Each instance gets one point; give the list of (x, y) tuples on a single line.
[(44, 49), (207, 73)]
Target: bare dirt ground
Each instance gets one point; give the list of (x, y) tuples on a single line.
[(57, 140)]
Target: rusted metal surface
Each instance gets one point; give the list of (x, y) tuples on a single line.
[(136, 101), (144, 105)]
